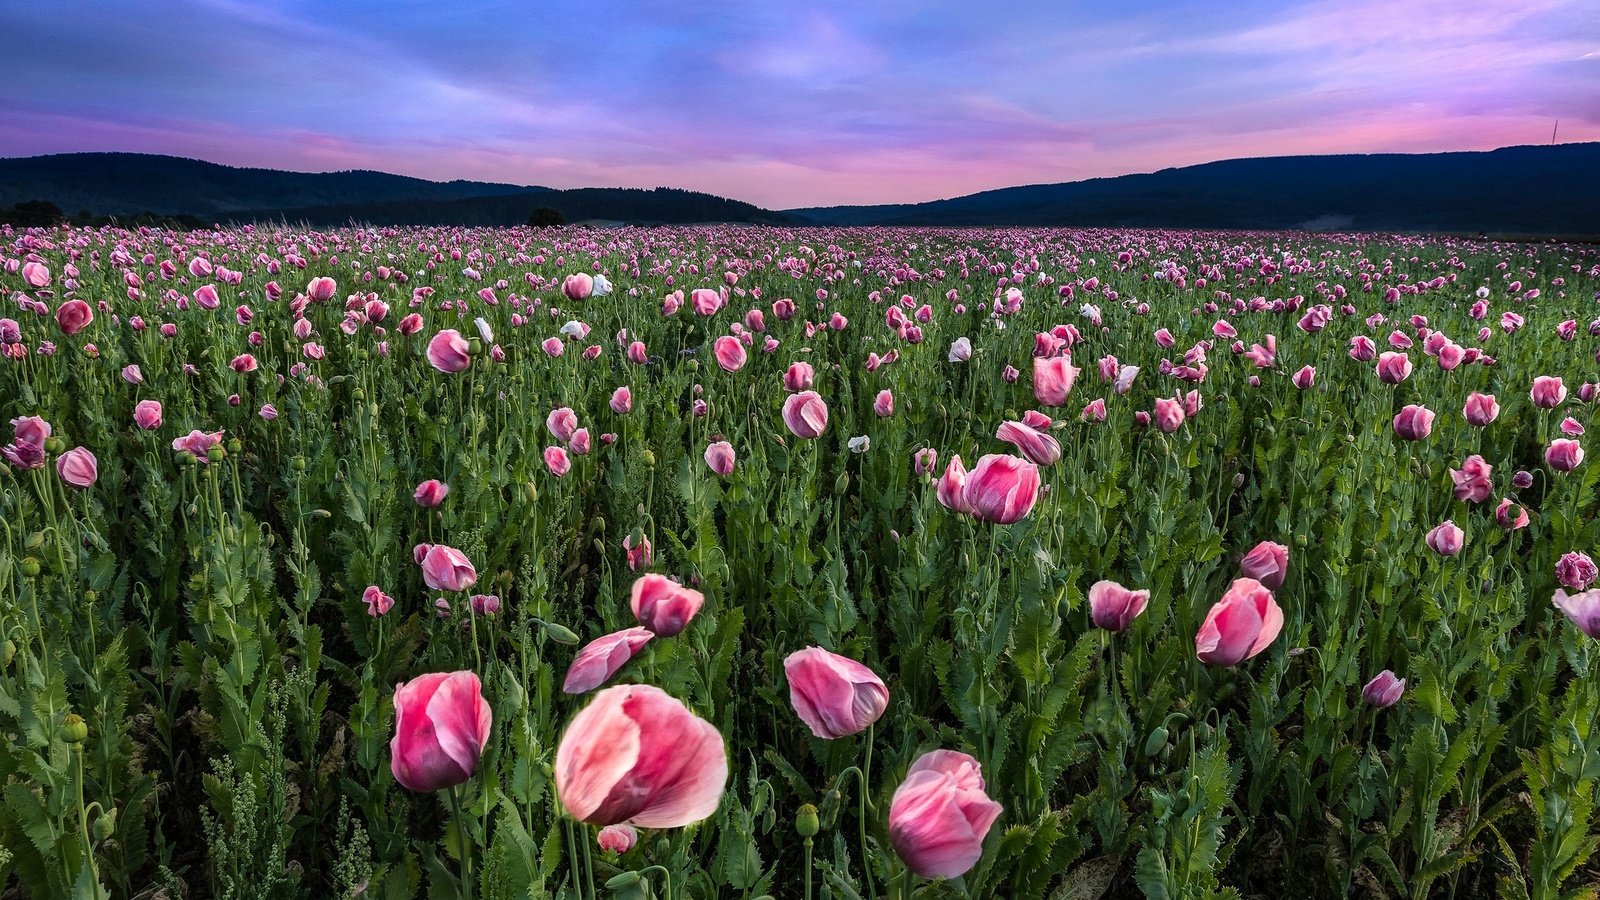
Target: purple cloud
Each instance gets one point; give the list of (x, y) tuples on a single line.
[(786, 106)]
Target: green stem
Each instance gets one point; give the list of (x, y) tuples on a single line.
[(905, 884), (588, 862), (83, 820), (863, 775), (666, 878), (466, 843), (808, 868)]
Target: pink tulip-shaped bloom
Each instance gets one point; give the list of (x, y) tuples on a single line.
[(720, 456), (705, 301), (1563, 454), (1114, 607), (1473, 482), (441, 725), (562, 422), (603, 657), (30, 430), (952, 486), (378, 603), (445, 568), (73, 316), (1480, 409), (1413, 423), (447, 352), (622, 400), (321, 289), (1583, 609), (1548, 392), (834, 695), (806, 414), (1446, 538), (940, 815), (1267, 562), (664, 606), (1576, 571), (924, 460), (1169, 414), (1001, 489), (798, 377), (640, 554), (557, 461), (578, 287), (1393, 367), (1242, 624), (729, 352), (1384, 691), (36, 274), (1038, 445), (147, 414), (637, 756), (78, 467), (197, 443), (617, 838), (883, 404), (431, 493), (1052, 379), (1305, 378), (1510, 516)]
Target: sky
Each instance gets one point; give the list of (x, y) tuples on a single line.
[(787, 104)]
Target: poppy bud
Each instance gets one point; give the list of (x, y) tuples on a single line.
[(561, 634)]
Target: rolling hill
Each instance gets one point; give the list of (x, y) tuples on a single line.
[(1546, 190), (1531, 190)]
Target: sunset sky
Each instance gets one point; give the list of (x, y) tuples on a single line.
[(789, 105)]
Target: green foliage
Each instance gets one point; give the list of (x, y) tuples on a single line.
[(206, 623)]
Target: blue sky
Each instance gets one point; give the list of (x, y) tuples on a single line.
[(791, 104)]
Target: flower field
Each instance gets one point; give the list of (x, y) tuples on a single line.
[(741, 562)]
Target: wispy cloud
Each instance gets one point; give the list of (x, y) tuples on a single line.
[(787, 105)]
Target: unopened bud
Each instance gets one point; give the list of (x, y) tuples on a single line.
[(1156, 741), (561, 634), (623, 880), (106, 825)]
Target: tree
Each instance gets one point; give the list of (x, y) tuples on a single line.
[(32, 214), (546, 217)]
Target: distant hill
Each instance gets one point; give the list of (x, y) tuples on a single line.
[(1530, 190), (1522, 190), (123, 183), (660, 206), (127, 184)]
